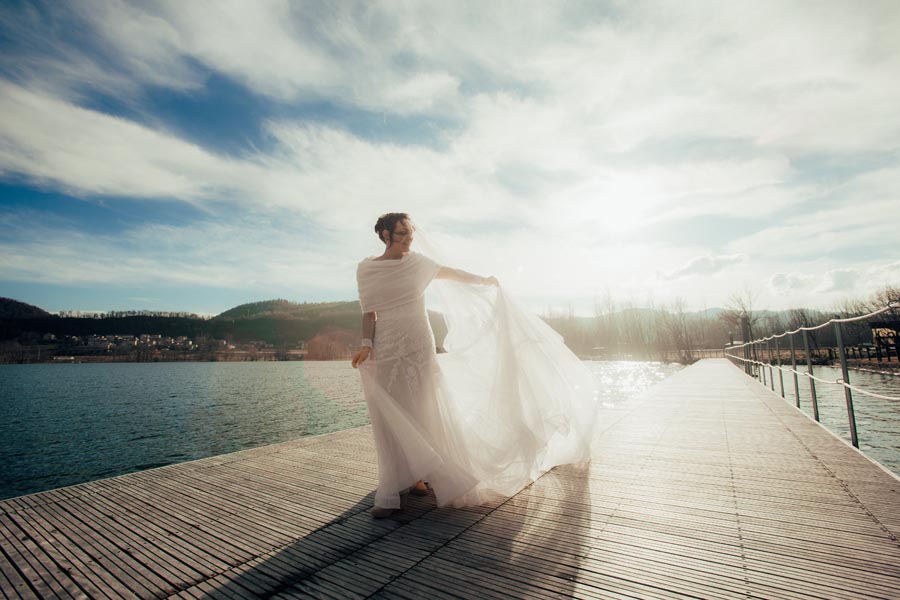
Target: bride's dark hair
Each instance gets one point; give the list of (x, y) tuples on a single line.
[(388, 222)]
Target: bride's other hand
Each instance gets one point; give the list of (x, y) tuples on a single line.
[(466, 277), (361, 356)]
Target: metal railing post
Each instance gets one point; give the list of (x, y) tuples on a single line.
[(753, 372), (761, 365), (750, 359), (794, 369), (745, 337), (780, 372), (848, 396), (771, 370), (760, 370), (812, 383)]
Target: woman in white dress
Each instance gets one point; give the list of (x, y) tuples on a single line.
[(406, 350), (507, 402)]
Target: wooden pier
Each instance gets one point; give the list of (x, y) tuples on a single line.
[(708, 486)]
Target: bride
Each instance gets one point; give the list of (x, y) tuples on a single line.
[(507, 402)]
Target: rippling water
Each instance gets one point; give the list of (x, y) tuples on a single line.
[(877, 420), (66, 424)]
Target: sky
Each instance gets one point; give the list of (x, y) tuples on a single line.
[(193, 156)]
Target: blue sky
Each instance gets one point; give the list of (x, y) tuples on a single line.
[(197, 155)]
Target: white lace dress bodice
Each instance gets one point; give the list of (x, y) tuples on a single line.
[(404, 346)]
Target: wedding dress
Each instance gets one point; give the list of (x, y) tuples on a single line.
[(505, 403)]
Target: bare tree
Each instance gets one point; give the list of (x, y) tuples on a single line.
[(883, 297), (674, 321), (740, 304), (607, 321)]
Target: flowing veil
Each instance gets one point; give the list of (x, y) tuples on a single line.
[(518, 400)]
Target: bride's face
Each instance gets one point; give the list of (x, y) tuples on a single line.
[(402, 236)]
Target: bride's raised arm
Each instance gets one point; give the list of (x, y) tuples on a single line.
[(465, 277)]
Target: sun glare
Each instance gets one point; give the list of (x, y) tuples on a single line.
[(614, 206)]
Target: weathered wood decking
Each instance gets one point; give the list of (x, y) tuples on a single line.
[(708, 487)]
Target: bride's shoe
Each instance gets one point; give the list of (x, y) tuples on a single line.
[(382, 513), (419, 489)]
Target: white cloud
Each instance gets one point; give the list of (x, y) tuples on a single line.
[(704, 265), (86, 152), (288, 52), (839, 280), (817, 287), (884, 274), (787, 283)]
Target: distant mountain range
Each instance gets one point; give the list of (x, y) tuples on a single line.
[(273, 321), (14, 309)]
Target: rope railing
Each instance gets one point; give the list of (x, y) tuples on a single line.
[(757, 368), (837, 381)]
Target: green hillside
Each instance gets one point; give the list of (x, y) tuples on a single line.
[(286, 309)]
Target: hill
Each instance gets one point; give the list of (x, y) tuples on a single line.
[(285, 309), (278, 321), (13, 309)]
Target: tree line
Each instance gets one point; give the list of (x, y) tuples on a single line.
[(622, 329)]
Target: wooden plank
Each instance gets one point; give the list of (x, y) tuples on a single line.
[(514, 580), (111, 557), (246, 581), (563, 550), (94, 575), (156, 570), (537, 563), (152, 552), (186, 516), (411, 588), (16, 572), (203, 510), (181, 538), (68, 563), (227, 496), (326, 504), (192, 593), (39, 575), (322, 589)]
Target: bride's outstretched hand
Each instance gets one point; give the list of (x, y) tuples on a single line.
[(360, 357), (490, 281)]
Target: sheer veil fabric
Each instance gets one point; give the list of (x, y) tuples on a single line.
[(505, 403)]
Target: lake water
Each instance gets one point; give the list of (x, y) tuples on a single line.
[(67, 424), (877, 420)]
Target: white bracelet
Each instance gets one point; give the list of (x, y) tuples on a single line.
[(366, 343)]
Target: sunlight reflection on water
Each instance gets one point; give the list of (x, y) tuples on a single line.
[(618, 381)]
